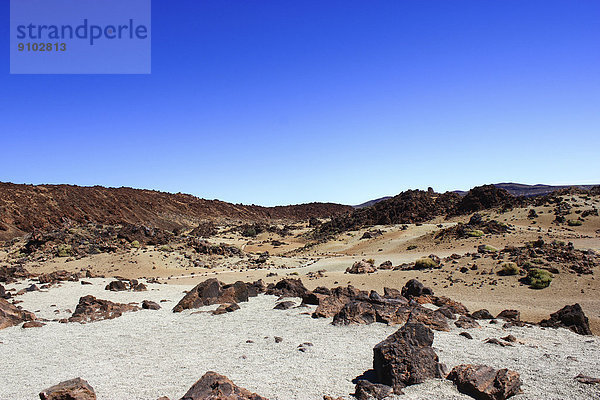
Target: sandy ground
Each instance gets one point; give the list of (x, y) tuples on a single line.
[(147, 354)]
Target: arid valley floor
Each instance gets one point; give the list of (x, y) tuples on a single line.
[(480, 258)]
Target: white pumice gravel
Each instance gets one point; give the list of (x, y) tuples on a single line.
[(148, 354)]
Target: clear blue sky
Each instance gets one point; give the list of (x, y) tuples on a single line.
[(278, 102)]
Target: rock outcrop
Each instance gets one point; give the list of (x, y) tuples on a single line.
[(361, 267)]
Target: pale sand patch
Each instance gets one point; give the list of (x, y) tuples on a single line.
[(147, 354)]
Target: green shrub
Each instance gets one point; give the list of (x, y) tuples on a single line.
[(539, 278), (165, 248), (370, 261), (64, 250), (475, 233), (411, 247), (425, 263), (135, 244), (249, 232), (574, 222), (509, 268)]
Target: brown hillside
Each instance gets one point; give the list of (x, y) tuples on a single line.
[(24, 208)]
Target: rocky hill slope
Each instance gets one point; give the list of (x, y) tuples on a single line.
[(24, 208)]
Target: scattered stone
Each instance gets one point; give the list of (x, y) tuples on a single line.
[(288, 288), (213, 386), (361, 267), (496, 341), (366, 390), (116, 286), (284, 305), (588, 380), (485, 383), (510, 315), (32, 324), (150, 305), (414, 288), (466, 334), (278, 339), (465, 322), (74, 389), (226, 308), (482, 314)]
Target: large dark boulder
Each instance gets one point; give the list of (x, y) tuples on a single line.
[(485, 383), (414, 288), (407, 358), (432, 319), (213, 386), (10, 315), (570, 317), (116, 286), (482, 314), (355, 312), (212, 291), (74, 389), (91, 309)]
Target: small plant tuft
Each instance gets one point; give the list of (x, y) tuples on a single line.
[(475, 233), (425, 263), (539, 278), (508, 269)]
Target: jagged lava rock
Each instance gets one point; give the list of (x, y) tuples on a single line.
[(407, 358), (10, 315), (570, 317)]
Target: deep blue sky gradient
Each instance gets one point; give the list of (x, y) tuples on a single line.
[(278, 102)]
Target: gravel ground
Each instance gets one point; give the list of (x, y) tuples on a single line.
[(148, 354)]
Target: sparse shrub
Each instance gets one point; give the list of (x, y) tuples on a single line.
[(574, 222), (539, 278), (294, 273), (64, 250), (371, 261), (411, 247), (135, 244), (425, 263), (537, 261), (475, 233), (489, 249), (509, 268), (249, 232), (165, 248)]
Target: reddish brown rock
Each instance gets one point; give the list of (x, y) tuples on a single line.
[(150, 305), (465, 322), (366, 390), (213, 386), (58, 276), (91, 309), (510, 315), (485, 383), (116, 286), (414, 288), (74, 389), (10, 315), (407, 358), (355, 312), (431, 319), (211, 292)]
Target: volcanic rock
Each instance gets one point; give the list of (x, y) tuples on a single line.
[(414, 288), (485, 383), (150, 305), (406, 357), (212, 291), (91, 309), (213, 386), (74, 389), (361, 267), (366, 390), (10, 315), (287, 288), (570, 317)]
